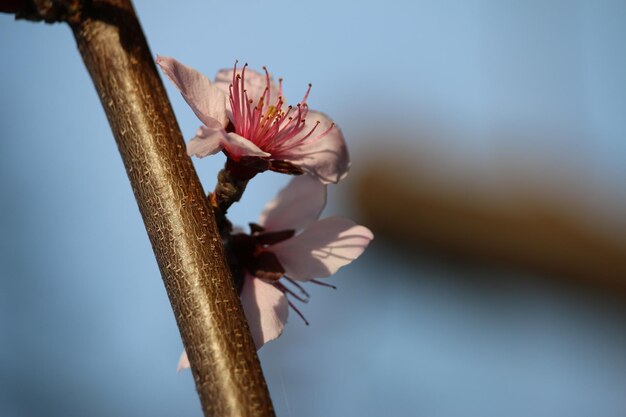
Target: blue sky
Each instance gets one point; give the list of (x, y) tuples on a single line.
[(490, 86)]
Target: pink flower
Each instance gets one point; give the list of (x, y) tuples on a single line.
[(290, 241), (245, 115)]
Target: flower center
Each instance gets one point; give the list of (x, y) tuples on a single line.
[(266, 123), (252, 254), (249, 253)]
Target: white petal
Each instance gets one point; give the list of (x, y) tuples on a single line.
[(183, 362), (237, 146), (206, 142), (207, 101), (322, 248), (324, 157), (266, 309), (295, 206)]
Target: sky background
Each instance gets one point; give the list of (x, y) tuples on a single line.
[(497, 91)]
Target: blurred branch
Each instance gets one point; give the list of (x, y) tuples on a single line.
[(175, 210), (403, 202)]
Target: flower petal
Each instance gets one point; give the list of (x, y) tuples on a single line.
[(324, 157), (206, 142), (183, 362), (254, 84), (322, 248), (266, 309), (296, 206), (237, 147), (206, 101)]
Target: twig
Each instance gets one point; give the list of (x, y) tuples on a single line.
[(178, 218)]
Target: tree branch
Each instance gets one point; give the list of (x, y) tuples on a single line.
[(175, 210)]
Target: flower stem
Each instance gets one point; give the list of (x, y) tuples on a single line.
[(228, 190)]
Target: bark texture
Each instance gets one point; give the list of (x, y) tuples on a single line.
[(175, 210)]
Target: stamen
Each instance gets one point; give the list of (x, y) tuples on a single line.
[(264, 123), (298, 286), (306, 95), (298, 312), (267, 77), (284, 289), (323, 284)]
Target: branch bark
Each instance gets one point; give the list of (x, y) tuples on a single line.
[(175, 210)]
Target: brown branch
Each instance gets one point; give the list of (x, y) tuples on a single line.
[(176, 213), (532, 232)]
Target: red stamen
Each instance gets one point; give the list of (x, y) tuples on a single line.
[(306, 95), (269, 127)]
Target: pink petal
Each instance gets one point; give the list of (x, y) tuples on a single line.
[(255, 84), (237, 146), (183, 362), (210, 141), (206, 142), (322, 248), (206, 101), (325, 157), (295, 206), (266, 309)]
